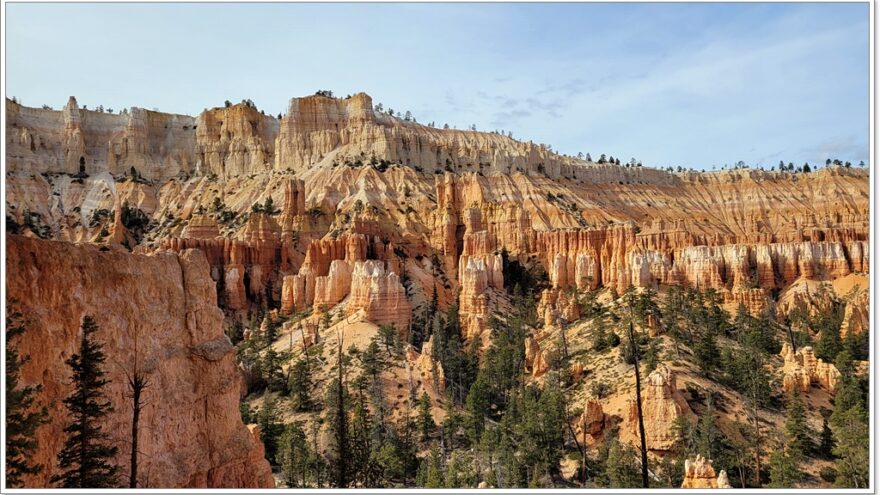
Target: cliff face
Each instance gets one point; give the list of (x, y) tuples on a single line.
[(158, 145), (191, 432), (370, 186), (370, 217)]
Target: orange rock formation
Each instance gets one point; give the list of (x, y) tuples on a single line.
[(183, 349)]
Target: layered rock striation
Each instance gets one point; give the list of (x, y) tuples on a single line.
[(191, 433)]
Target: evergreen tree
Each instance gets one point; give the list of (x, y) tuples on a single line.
[(433, 469), (300, 385), (477, 407), (706, 351), (539, 429), (783, 467), (829, 344), (86, 459), (851, 449), (22, 417), (338, 402), (426, 419), (622, 466), (271, 427), (270, 369), (293, 455), (826, 439), (797, 432)]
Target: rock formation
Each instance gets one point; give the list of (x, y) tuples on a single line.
[(536, 362), (591, 423), (589, 225), (801, 369), (430, 371), (195, 424), (377, 213), (699, 473), (380, 295), (477, 275), (662, 405)]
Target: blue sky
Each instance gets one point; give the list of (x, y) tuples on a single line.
[(696, 85)]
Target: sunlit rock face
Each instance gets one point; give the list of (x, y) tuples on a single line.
[(195, 440)]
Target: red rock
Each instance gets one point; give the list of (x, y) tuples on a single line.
[(183, 347)]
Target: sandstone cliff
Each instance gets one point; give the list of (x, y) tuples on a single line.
[(191, 432)]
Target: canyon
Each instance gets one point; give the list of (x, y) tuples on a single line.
[(173, 229)]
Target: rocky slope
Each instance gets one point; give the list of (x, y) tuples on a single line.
[(338, 209), (191, 432)]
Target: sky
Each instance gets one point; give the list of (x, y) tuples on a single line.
[(691, 85)]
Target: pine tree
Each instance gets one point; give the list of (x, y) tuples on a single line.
[(826, 438), (783, 467), (22, 419), (338, 401), (829, 344), (622, 466), (433, 469), (426, 419), (293, 455), (86, 459), (271, 427), (797, 432), (851, 434), (477, 407), (706, 351), (300, 385)]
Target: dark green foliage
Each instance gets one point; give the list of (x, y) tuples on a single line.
[(85, 460), (247, 416), (603, 339), (797, 432), (426, 419), (270, 369), (459, 363), (23, 417), (858, 345), (784, 471), (600, 390), (706, 351), (756, 333), (849, 425), (503, 361), (532, 427), (619, 463), (828, 474), (136, 221), (390, 339), (294, 455), (338, 404), (477, 407), (826, 439), (268, 417), (299, 385), (744, 372), (268, 207), (852, 437)]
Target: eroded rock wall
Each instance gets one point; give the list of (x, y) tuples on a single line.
[(191, 432)]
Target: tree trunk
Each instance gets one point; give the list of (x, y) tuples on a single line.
[(635, 352), (135, 418)]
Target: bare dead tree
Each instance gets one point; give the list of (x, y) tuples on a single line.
[(635, 351), (138, 381)]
